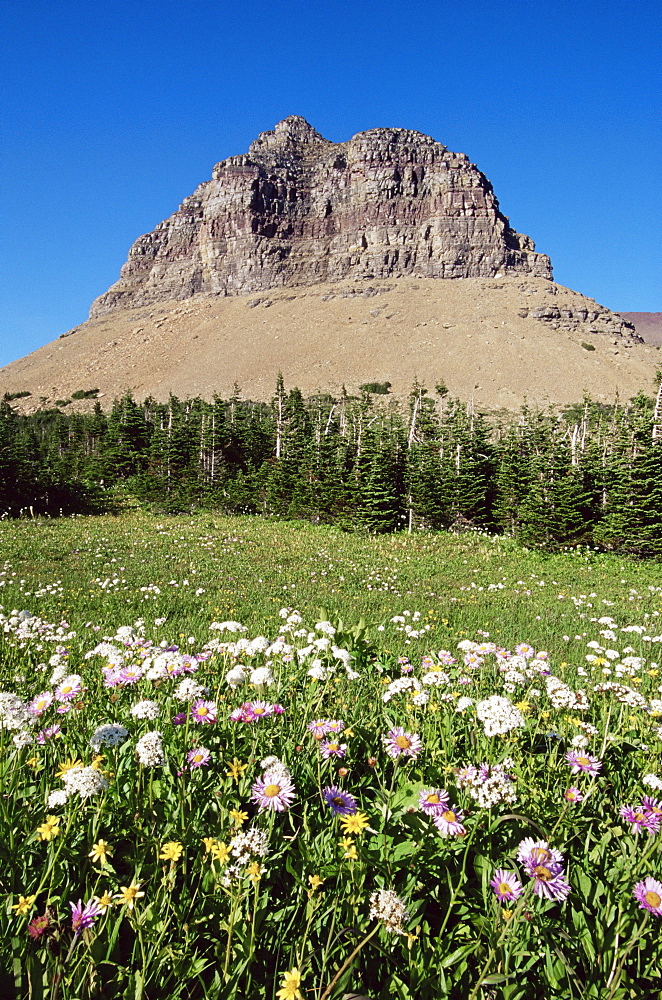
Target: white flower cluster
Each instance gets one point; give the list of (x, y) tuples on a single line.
[(87, 781), (435, 678), (57, 799), (622, 693), (14, 713), (387, 907), (491, 788), (111, 735), (498, 715), (248, 844), (274, 766), (561, 696), (652, 781), (23, 738), (228, 627), (189, 690), (145, 710), (149, 749)]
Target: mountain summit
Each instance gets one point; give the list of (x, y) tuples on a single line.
[(299, 210)]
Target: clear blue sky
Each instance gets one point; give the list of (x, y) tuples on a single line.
[(112, 112)]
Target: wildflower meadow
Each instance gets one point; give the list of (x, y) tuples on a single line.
[(244, 759)]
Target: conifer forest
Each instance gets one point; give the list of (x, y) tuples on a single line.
[(591, 474)]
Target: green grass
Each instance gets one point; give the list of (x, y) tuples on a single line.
[(203, 930)]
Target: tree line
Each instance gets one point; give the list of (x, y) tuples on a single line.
[(589, 475)]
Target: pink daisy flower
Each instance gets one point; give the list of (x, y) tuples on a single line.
[(318, 728), (69, 688), (538, 852), (572, 794), (641, 819), (549, 881), (83, 917), (204, 711), (331, 748), (583, 763), (259, 709), (433, 801), (649, 895), (273, 791), (651, 806), (449, 822), (40, 703), (198, 757), (398, 743), (506, 885)]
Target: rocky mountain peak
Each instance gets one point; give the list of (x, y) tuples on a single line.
[(298, 209)]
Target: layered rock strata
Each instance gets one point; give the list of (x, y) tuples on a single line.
[(299, 210)]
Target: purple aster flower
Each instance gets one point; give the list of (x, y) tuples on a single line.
[(46, 734), (204, 711), (583, 762), (506, 885), (83, 917), (449, 822), (549, 881), (433, 801), (538, 852), (277, 709), (651, 805), (335, 726), (198, 757), (259, 710), (179, 719), (466, 775), (649, 895), (273, 791), (64, 709), (318, 727), (572, 794), (129, 675), (38, 926), (69, 688), (331, 748), (40, 703), (641, 819), (398, 743), (341, 802)]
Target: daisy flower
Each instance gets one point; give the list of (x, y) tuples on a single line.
[(198, 757), (274, 791), (341, 802), (572, 794), (449, 822), (649, 895), (398, 743), (318, 728), (355, 823), (83, 917), (536, 852), (331, 748), (583, 763), (641, 819), (549, 881), (433, 801), (204, 711), (506, 885)]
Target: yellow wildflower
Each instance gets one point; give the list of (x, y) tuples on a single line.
[(49, 829), (220, 852), (97, 761), (315, 882), (348, 732), (289, 987), (68, 765), (24, 904), (238, 817), (128, 894), (172, 851), (354, 823), (236, 769), (34, 762), (209, 842), (100, 852), (254, 872), (348, 846), (104, 901), (523, 706)]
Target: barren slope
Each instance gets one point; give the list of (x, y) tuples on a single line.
[(497, 341)]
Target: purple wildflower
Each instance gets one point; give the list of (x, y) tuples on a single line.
[(641, 819), (179, 719), (341, 802), (506, 885), (40, 703), (549, 881), (198, 757), (398, 743), (449, 822), (83, 917), (331, 748), (583, 762), (649, 895), (274, 791), (573, 794), (433, 801), (204, 712), (538, 852)]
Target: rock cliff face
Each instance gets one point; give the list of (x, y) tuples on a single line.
[(299, 209)]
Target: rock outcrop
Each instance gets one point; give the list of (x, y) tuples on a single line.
[(300, 210)]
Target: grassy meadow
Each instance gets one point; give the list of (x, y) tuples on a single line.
[(259, 759)]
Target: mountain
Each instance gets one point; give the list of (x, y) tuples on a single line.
[(384, 258)]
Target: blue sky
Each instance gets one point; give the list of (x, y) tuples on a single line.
[(112, 112)]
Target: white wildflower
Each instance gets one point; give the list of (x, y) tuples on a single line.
[(149, 749), (387, 907)]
